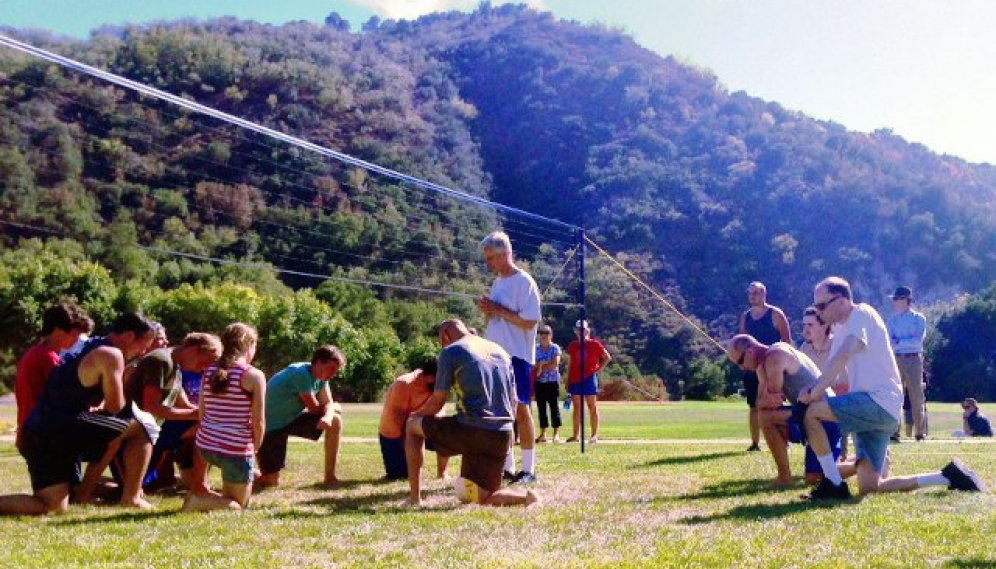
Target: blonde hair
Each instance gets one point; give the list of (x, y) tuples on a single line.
[(204, 343), (237, 339)]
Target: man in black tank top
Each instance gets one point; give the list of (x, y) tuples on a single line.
[(62, 428), (767, 324)]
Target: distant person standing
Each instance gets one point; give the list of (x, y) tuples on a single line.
[(907, 330), (512, 310), (547, 373), (767, 324), (582, 377)]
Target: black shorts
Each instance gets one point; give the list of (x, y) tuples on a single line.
[(272, 456), (751, 385), (51, 457), (94, 431), (483, 451)]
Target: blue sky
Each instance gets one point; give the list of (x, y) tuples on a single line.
[(922, 68)]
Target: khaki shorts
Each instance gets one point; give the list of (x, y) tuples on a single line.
[(483, 451)]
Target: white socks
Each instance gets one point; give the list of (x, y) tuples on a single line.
[(936, 479), (528, 460), (830, 471)]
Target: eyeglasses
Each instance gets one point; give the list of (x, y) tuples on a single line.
[(821, 306)]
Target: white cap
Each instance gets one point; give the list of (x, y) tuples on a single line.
[(582, 324)]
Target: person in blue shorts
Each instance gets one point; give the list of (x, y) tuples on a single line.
[(782, 372), (871, 409)]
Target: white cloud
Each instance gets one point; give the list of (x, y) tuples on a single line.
[(411, 9)]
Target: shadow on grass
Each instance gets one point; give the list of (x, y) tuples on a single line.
[(123, 516), (971, 563), (761, 512), (677, 460), (736, 488), (370, 503)]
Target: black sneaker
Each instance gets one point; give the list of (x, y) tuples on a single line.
[(827, 490), (961, 477), (753, 448), (507, 475), (895, 439), (523, 477)]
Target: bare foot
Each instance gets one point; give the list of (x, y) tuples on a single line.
[(533, 499), (266, 480), (332, 482), (138, 503), (409, 503), (781, 482)]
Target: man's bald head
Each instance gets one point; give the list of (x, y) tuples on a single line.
[(451, 331)]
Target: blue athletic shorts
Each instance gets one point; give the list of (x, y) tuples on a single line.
[(523, 371), (797, 434), (871, 425), (588, 386)]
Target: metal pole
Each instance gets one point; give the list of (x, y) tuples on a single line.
[(583, 318)]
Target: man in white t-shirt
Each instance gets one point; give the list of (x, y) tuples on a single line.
[(512, 310), (871, 409)]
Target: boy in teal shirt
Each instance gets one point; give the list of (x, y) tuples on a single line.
[(299, 403)]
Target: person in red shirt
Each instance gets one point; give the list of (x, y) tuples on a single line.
[(62, 326), (596, 357)]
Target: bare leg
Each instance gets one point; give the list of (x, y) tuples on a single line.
[(592, 402), (137, 452), (91, 476), (197, 477), (527, 429), (52, 499), (576, 414), (771, 420), (333, 439), (755, 426), (441, 462), (415, 456)]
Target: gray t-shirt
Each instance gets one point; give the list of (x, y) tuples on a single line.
[(479, 372), (805, 377)]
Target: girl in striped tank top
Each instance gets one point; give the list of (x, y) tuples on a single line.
[(232, 420)]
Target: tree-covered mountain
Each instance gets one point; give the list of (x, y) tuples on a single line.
[(698, 189)]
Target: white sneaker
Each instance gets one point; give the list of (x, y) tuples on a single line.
[(593, 440)]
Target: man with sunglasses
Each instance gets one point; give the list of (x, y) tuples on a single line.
[(783, 372), (767, 324), (871, 409)]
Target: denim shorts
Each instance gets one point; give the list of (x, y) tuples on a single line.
[(858, 414), (234, 469)]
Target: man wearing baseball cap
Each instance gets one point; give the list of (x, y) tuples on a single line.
[(907, 330)]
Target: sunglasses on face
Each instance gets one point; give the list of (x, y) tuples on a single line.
[(821, 306), (743, 356)]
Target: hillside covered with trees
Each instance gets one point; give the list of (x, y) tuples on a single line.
[(697, 189)]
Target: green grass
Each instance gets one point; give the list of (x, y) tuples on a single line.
[(681, 492)]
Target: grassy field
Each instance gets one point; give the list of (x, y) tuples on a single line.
[(669, 486)]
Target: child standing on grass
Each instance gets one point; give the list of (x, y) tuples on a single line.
[(232, 421)]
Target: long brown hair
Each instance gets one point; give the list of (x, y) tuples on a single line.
[(237, 339)]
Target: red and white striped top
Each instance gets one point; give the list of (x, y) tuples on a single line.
[(226, 427)]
